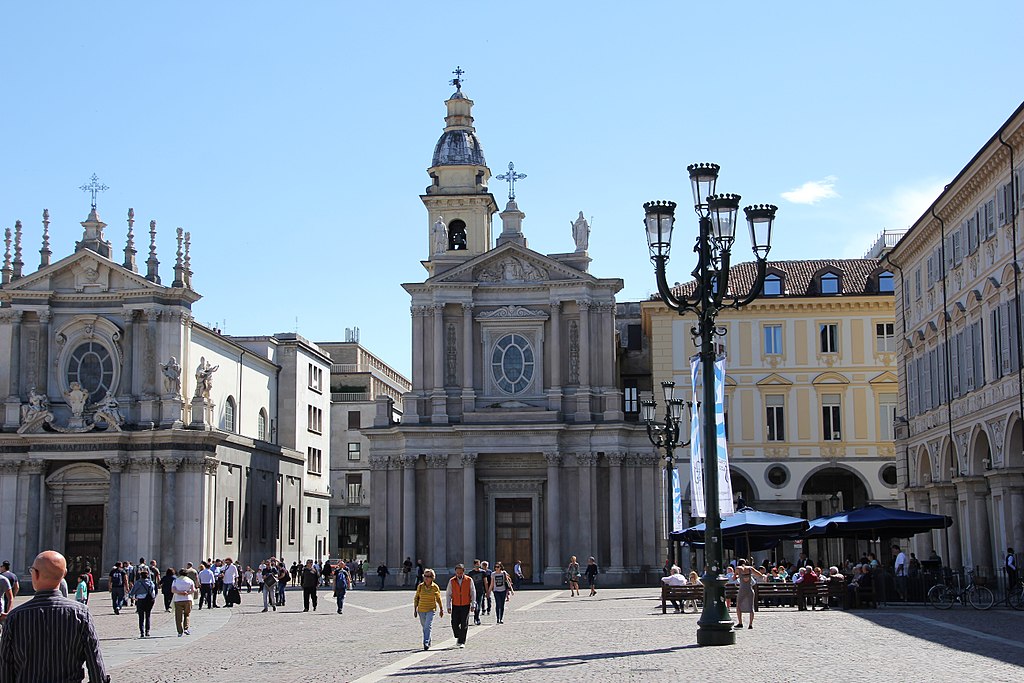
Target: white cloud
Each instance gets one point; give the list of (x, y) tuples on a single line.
[(813, 191), (904, 205)]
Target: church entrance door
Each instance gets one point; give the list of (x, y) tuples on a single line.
[(513, 528), (83, 540)]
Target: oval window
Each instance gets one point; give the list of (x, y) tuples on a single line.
[(91, 366), (512, 363)]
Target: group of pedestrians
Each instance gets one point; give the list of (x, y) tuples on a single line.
[(572, 576), (473, 593)]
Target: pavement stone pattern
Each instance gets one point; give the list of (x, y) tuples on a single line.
[(619, 634)]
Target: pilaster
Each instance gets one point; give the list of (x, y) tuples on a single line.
[(553, 520)]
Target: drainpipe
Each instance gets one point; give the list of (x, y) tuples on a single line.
[(945, 338), (903, 325), (1016, 281)]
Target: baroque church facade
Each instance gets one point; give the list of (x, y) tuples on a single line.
[(513, 444), (129, 429)]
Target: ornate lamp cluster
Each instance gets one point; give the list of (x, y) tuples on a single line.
[(667, 437), (717, 214)]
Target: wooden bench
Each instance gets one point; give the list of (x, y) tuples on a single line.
[(780, 593), (683, 594)]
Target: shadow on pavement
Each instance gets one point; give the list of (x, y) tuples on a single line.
[(526, 665)]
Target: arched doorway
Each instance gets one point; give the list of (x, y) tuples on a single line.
[(978, 504), (743, 492), (77, 495), (827, 491)]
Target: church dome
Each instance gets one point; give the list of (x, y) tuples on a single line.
[(458, 148)]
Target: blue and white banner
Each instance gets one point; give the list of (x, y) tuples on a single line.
[(677, 501), (698, 503)]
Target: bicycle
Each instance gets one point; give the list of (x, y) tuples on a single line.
[(942, 596), (1015, 595)]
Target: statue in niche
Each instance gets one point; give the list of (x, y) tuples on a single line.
[(108, 410), (204, 377), (581, 233), (172, 376), (439, 237), (76, 396)]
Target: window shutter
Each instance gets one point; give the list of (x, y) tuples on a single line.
[(942, 374), (967, 348), (1011, 341), (954, 365), (1002, 362), (979, 356)]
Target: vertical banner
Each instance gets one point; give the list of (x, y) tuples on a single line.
[(677, 500), (725, 502), (697, 507)]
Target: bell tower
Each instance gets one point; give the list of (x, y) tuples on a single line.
[(459, 205)]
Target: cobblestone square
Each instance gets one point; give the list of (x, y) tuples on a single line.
[(620, 635)]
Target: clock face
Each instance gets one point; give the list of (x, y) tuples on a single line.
[(512, 364)]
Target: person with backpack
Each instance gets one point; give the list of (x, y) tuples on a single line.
[(143, 591), (501, 589), (342, 583)]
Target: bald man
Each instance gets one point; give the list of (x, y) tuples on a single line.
[(50, 638)]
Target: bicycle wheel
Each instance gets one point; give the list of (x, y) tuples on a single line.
[(1015, 598), (981, 597), (941, 597)]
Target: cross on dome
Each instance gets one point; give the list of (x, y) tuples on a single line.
[(94, 187), (457, 81), (511, 177)]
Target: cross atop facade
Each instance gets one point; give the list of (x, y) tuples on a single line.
[(457, 81), (94, 187), (511, 177)]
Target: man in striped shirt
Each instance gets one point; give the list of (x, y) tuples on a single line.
[(50, 638)]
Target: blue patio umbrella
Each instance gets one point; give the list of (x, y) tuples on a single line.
[(750, 528), (875, 521)]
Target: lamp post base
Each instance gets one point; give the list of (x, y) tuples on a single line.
[(716, 634)]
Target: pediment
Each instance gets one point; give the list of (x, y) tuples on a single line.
[(886, 377), (774, 379), (830, 378), (510, 264), (84, 271)]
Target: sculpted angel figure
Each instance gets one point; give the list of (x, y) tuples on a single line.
[(108, 410), (172, 376), (204, 377)]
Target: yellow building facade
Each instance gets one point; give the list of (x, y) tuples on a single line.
[(811, 388), (958, 307)]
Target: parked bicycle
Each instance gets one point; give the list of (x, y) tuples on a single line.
[(942, 596), (1015, 595)]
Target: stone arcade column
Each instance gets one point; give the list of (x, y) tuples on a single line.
[(583, 413), (555, 390), (946, 501), (436, 554), (378, 508), (975, 493), (1015, 529), (615, 561), (35, 497), (469, 505), (168, 540), (409, 506), (468, 392), (553, 517), (647, 463), (438, 398), (585, 463), (112, 537), (922, 542)]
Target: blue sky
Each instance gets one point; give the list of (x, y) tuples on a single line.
[(292, 140)]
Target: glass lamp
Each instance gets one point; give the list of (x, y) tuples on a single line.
[(760, 218)]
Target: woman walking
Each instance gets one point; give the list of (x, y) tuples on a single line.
[(591, 572), (165, 587), (144, 593), (745, 592), (572, 576), (425, 602), (82, 590), (501, 584)]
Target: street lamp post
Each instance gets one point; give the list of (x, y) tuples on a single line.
[(717, 215), (666, 436)]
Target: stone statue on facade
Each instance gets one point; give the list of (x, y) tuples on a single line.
[(108, 410), (35, 413), (581, 233), (204, 378), (172, 376), (77, 397), (439, 237)]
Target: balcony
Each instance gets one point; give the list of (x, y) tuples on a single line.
[(358, 397)]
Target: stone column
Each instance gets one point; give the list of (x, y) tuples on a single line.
[(555, 390), (378, 508), (469, 505), (44, 351), (15, 364), (149, 369), (947, 505), (168, 541), (127, 388), (553, 520), (583, 408), (417, 348), (468, 390), (1016, 527), (439, 402), (922, 542), (409, 506), (978, 508), (437, 554), (112, 537), (615, 560), (36, 495), (648, 501), (585, 466)]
